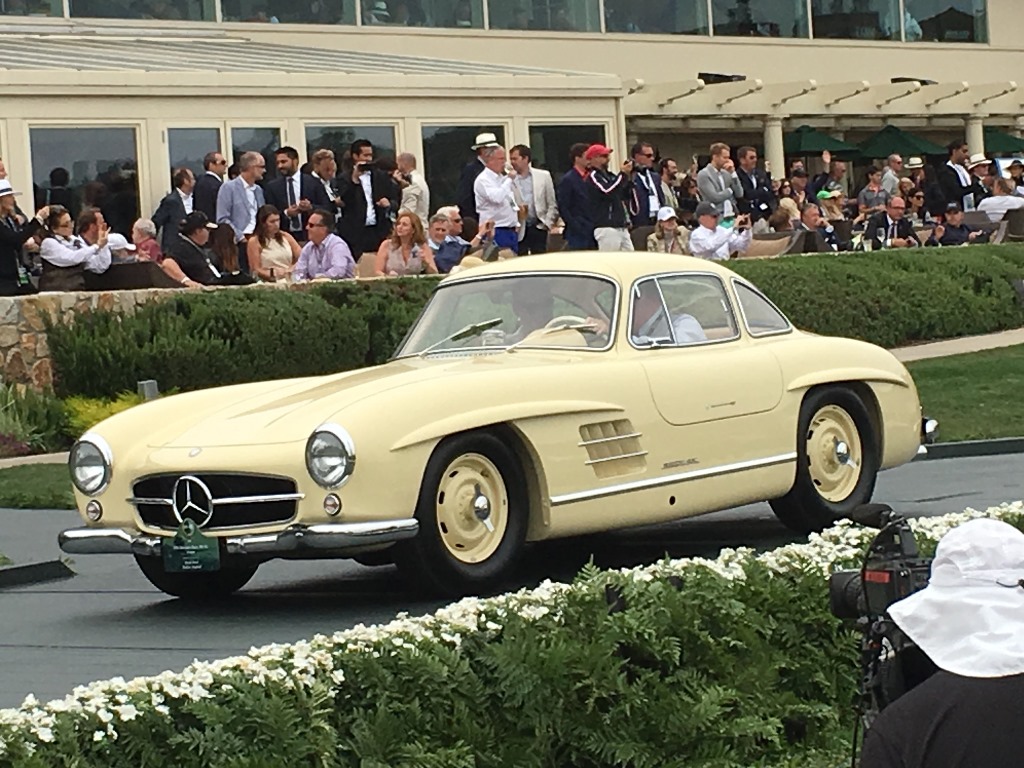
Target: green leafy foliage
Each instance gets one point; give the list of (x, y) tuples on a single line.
[(84, 413), (31, 422)]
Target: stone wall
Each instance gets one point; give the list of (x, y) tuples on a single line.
[(24, 354)]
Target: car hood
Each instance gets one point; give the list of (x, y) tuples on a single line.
[(277, 412)]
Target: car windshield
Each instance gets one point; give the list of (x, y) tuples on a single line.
[(529, 310)]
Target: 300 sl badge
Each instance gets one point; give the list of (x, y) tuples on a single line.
[(190, 550)]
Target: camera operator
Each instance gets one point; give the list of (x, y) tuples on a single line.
[(969, 620)]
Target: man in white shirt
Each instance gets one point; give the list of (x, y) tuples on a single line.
[(650, 325), (1003, 199), (495, 200), (537, 192), (239, 199), (415, 192), (891, 177), (717, 243)]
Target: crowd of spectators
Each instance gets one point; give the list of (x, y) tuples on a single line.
[(322, 221)]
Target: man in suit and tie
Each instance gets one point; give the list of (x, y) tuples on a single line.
[(648, 197), (239, 199), (537, 193), (368, 199), (204, 196), (294, 194), (465, 197), (888, 229), (758, 198), (174, 207)]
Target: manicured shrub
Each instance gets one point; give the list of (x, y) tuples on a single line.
[(84, 413), (31, 422)]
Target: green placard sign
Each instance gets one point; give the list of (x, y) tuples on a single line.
[(190, 550)]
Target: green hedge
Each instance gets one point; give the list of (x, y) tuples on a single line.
[(200, 340)]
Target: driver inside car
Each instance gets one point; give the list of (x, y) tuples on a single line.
[(650, 323)]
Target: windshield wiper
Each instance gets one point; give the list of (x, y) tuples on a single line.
[(581, 327), (473, 329)]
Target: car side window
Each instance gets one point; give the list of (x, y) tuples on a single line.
[(679, 310), (760, 315)]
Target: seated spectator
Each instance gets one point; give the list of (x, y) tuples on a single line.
[(456, 244), (1003, 199), (188, 261), (780, 221), (917, 212), (324, 254), (65, 256), (668, 236), (121, 251), (953, 231), (874, 197), (711, 241), (891, 229), (831, 203), (272, 252), (906, 186), (144, 237), (224, 252), (448, 250), (406, 252), (811, 220)]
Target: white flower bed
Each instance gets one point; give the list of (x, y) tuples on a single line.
[(110, 702)]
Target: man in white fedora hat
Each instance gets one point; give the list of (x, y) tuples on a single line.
[(969, 620), (465, 198)]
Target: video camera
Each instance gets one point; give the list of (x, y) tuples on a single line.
[(891, 664)]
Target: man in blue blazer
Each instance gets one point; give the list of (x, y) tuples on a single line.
[(174, 207), (239, 199), (294, 194)]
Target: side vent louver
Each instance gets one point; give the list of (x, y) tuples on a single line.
[(613, 448)]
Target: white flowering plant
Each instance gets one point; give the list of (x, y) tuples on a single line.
[(731, 662)]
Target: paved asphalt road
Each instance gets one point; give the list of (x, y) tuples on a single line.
[(108, 620)]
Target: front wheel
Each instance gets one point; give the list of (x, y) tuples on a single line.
[(473, 514), (837, 461), (196, 587)]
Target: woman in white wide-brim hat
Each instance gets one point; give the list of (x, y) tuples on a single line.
[(970, 621), (15, 231)]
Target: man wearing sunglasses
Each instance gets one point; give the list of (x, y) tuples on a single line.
[(648, 196)]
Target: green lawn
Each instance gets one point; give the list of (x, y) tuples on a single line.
[(974, 396), (36, 486)]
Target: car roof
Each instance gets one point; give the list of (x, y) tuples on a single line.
[(624, 266)]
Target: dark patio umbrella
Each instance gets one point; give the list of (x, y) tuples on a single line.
[(806, 140), (895, 141), (1002, 143)]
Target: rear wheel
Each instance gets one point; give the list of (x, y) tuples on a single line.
[(837, 461), (473, 514), (197, 587)]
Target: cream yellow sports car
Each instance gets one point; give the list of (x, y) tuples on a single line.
[(534, 398)]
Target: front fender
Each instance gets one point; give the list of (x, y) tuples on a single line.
[(498, 414), (836, 375)]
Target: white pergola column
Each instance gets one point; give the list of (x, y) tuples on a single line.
[(976, 135), (1020, 127), (774, 149)]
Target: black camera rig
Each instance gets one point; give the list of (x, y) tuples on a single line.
[(891, 664)]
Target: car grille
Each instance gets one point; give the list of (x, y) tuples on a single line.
[(238, 499)]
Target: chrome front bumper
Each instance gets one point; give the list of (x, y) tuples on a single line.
[(325, 538)]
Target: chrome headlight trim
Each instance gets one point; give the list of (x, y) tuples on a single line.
[(342, 441), (86, 442)]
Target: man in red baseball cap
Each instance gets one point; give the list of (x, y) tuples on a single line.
[(609, 193)]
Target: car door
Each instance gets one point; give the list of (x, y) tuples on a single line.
[(698, 367)]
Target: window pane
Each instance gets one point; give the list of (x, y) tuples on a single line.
[(761, 317), (424, 13), (262, 140), (290, 12), (446, 150), (188, 10), (31, 8), (339, 138), (698, 311), (559, 15), (760, 18), (947, 21), (79, 167), (188, 146), (856, 19), (550, 144), (679, 17)]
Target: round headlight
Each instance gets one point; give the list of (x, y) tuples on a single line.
[(330, 455), (90, 463)]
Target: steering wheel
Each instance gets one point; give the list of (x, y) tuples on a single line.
[(564, 320)]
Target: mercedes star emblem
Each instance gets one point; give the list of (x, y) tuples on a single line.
[(192, 500)]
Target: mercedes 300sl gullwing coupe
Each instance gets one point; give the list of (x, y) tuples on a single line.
[(534, 398)]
